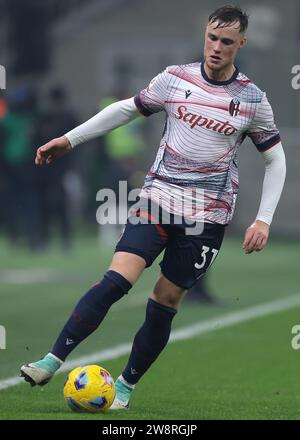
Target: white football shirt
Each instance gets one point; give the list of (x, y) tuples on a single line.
[(195, 173)]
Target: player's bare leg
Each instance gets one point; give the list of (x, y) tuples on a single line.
[(151, 338), (88, 314), (167, 293), (130, 266)]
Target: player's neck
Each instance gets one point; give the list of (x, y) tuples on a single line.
[(219, 75)]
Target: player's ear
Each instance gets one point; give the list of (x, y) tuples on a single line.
[(243, 42)]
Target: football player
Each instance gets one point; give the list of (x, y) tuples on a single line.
[(210, 108)]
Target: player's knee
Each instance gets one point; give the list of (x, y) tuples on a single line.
[(129, 266), (167, 293)]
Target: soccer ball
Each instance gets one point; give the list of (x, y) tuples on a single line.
[(89, 389)]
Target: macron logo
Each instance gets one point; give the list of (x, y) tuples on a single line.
[(187, 93), (69, 341)]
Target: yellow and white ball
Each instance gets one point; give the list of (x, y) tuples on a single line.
[(89, 389)]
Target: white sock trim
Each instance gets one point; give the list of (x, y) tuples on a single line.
[(56, 358), (129, 385)]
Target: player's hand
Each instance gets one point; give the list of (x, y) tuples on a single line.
[(52, 150), (256, 237)]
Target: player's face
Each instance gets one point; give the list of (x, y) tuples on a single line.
[(221, 45)]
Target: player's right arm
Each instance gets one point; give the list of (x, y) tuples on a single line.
[(148, 101), (113, 116)]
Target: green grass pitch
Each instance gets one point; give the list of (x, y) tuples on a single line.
[(245, 371)]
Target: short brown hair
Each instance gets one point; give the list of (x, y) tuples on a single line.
[(229, 14)]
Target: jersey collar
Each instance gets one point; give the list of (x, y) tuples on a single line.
[(219, 83)]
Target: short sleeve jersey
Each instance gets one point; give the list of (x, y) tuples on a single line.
[(206, 122)]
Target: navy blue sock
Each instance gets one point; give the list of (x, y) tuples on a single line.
[(89, 312), (149, 341)]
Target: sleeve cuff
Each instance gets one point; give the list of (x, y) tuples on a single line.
[(268, 144), (141, 108), (265, 218), (71, 139)]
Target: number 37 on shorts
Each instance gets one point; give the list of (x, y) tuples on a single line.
[(205, 252)]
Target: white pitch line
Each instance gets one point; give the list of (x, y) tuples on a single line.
[(187, 332)]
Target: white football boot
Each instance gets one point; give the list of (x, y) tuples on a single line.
[(123, 394), (40, 372)]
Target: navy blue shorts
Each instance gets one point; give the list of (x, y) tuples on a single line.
[(187, 256)]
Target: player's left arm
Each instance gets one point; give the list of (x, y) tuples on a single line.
[(266, 138)]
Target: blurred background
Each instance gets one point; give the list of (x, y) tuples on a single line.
[(65, 60)]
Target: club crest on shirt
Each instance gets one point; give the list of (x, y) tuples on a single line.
[(234, 107)]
